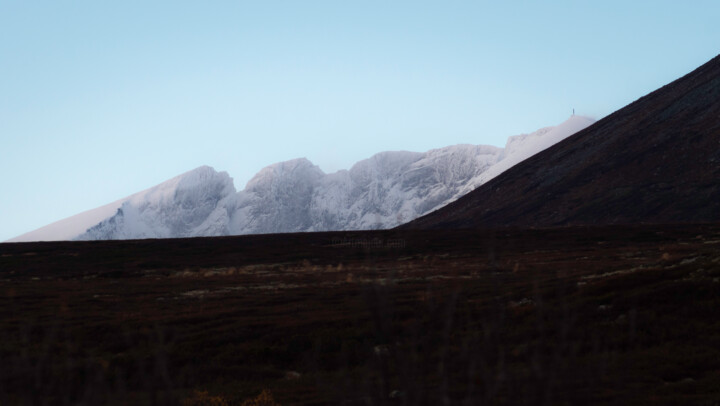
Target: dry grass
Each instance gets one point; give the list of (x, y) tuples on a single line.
[(450, 323)]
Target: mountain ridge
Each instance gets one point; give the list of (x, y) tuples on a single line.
[(382, 191), (655, 160)]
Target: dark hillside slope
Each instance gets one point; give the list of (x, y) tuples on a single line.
[(656, 160)]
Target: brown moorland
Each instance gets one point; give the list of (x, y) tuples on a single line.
[(599, 315)]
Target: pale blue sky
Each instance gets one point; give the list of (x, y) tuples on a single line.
[(99, 100)]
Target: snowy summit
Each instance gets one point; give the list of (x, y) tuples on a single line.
[(388, 189)]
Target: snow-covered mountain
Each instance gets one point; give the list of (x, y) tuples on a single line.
[(193, 204), (383, 191)]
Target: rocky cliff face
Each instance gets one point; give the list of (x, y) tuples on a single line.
[(195, 203), (386, 190)]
